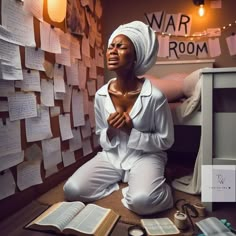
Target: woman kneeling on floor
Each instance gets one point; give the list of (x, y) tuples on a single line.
[(135, 127)]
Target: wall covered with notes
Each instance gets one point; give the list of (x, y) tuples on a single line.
[(50, 72)]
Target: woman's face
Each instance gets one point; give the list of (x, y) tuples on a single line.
[(120, 54)]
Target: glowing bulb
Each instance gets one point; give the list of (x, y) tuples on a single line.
[(201, 10), (57, 10)]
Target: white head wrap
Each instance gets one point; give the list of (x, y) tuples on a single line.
[(145, 43)]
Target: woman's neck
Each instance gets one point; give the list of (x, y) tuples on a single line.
[(127, 83)]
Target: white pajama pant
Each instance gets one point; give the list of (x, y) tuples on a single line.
[(146, 193)]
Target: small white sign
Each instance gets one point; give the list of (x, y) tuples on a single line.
[(218, 183)]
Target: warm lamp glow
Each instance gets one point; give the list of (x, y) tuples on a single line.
[(201, 10), (57, 10)]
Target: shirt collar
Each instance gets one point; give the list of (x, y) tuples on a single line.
[(145, 91)]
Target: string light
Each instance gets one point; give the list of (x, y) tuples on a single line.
[(202, 34)]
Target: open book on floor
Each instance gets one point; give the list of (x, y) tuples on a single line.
[(75, 218), (212, 226), (160, 226)]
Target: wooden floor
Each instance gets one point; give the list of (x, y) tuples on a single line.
[(14, 225)]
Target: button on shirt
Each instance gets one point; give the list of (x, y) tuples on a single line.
[(152, 132)]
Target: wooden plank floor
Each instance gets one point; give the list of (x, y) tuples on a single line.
[(14, 225)]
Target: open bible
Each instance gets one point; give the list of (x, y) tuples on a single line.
[(75, 218), (160, 226)]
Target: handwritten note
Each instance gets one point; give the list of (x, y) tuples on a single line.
[(93, 69), (163, 50), (65, 38), (59, 83), (231, 43), (85, 46), (91, 114), (67, 99), (96, 142), (31, 81), (91, 85), (49, 38), (34, 58), (51, 152), (87, 147), (86, 102), (18, 23), (86, 129), (78, 108), (76, 142), (22, 105), (75, 48), (10, 137), (99, 57), (7, 183), (35, 7), (214, 47), (47, 93), (65, 127), (51, 171), (10, 53), (68, 158), (82, 74), (11, 160), (10, 72), (7, 36), (38, 128), (72, 74), (64, 57), (28, 174)]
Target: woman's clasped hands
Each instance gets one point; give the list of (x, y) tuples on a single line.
[(121, 121)]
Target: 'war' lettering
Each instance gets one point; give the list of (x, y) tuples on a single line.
[(183, 22)]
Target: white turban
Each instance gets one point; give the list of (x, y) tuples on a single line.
[(145, 43)]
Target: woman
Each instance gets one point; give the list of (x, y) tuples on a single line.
[(135, 127)]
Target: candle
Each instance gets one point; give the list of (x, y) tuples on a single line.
[(136, 230)]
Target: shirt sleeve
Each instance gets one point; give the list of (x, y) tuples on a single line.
[(102, 127), (163, 136)]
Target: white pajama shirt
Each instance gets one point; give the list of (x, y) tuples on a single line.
[(138, 159)]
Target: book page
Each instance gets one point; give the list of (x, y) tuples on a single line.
[(159, 226), (59, 215), (89, 219), (213, 226)]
